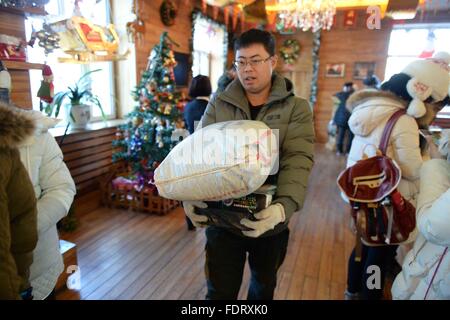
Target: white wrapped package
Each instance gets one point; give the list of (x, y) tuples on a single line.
[(221, 161)]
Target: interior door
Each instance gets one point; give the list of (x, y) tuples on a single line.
[(301, 79)]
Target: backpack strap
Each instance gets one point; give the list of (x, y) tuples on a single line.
[(388, 130), (435, 271)]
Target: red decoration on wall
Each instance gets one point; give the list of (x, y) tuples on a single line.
[(429, 49), (215, 12), (350, 18), (226, 15), (272, 17), (234, 19), (204, 6), (272, 27)]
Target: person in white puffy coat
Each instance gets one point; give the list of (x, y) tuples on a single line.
[(371, 109), (55, 190), (426, 270)]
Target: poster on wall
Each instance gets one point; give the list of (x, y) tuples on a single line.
[(350, 18), (363, 69), (335, 70)]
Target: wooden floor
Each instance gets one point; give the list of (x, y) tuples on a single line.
[(128, 255)]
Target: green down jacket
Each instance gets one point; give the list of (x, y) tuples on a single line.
[(289, 114)]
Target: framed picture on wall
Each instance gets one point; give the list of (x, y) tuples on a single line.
[(362, 69), (350, 18), (335, 70)]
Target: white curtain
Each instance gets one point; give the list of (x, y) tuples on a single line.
[(209, 49)]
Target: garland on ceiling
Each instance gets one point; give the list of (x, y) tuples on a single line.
[(21, 4), (315, 73)]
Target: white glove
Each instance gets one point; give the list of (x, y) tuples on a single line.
[(197, 219), (267, 220)]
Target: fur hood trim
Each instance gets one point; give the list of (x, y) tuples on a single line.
[(362, 96), (16, 126)]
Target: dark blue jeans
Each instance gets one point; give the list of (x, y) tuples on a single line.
[(383, 257), (342, 132), (225, 261)]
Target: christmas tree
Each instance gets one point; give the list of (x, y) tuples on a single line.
[(156, 124)]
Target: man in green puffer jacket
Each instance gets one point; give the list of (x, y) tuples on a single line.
[(259, 94)]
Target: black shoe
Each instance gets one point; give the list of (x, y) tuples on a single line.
[(351, 296), (189, 224)]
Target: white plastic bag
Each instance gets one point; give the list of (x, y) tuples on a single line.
[(221, 161)]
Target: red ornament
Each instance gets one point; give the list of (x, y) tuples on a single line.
[(215, 14), (46, 91), (226, 15), (234, 19), (204, 6)]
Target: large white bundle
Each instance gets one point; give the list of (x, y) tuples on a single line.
[(221, 161)]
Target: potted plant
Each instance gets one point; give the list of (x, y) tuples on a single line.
[(81, 98)]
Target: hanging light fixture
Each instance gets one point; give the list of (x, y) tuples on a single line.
[(304, 14)]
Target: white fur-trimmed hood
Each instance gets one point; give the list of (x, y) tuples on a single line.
[(370, 108)]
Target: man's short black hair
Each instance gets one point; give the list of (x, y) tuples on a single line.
[(254, 36), (200, 87), (348, 84)]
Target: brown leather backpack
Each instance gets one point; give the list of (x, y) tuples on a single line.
[(380, 213)]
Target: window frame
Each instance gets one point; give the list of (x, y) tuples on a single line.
[(443, 118), (210, 55), (111, 111)]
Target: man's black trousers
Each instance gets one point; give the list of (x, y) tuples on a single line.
[(225, 261)]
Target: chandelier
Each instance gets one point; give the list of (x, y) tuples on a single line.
[(304, 14)]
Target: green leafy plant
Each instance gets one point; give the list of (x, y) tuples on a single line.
[(80, 93), (69, 223)]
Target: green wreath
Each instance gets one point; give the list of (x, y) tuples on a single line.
[(290, 51), (168, 12)]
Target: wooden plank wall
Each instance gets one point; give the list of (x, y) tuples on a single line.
[(347, 45), (303, 65), (305, 56), (13, 24), (339, 44), (180, 32), (88, 156), (350, 44)]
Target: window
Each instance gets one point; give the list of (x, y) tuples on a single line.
[(209, 49), (66, 74), (416, 41)]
